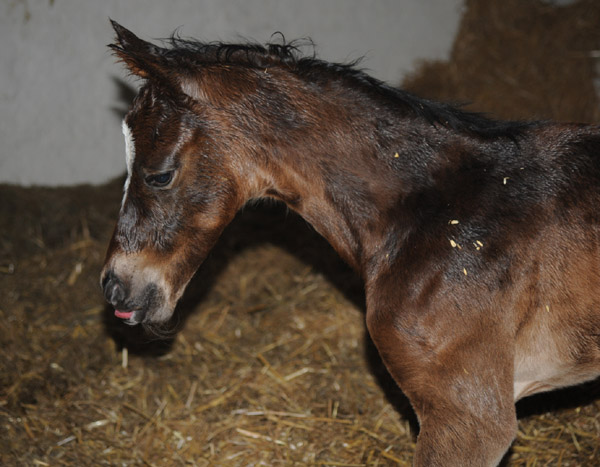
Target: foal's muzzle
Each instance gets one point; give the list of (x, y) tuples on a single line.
[(117, 294), (138, 290)]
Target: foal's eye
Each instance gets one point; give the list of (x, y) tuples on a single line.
[(160, 180)]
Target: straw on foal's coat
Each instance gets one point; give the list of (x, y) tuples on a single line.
[(478, 241)]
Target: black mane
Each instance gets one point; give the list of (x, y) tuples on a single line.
[(288, 54)]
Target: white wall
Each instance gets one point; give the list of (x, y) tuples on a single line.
[(59, 86)]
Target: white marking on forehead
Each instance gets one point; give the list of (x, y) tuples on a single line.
[(129, 146), (129, 157)]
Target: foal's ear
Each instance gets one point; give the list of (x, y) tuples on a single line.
[(142, 58), (151, 62)]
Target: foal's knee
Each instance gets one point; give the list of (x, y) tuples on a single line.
[(459, 440)]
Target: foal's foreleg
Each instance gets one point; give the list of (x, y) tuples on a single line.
[(462, 392)]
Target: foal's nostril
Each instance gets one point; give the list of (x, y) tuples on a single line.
[(106, 279), (116, 294), (114, 291)]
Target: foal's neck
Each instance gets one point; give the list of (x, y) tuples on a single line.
[(349, 182)]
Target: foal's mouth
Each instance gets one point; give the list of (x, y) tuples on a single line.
[(131, 317), (123, 314)]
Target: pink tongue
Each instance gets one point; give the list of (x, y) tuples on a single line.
[(123, 314)]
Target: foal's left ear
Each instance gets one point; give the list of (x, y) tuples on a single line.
[(142, 58)]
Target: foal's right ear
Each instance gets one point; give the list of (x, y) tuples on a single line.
[(142, 58)]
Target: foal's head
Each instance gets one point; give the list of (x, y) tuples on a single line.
[(188, 136)]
